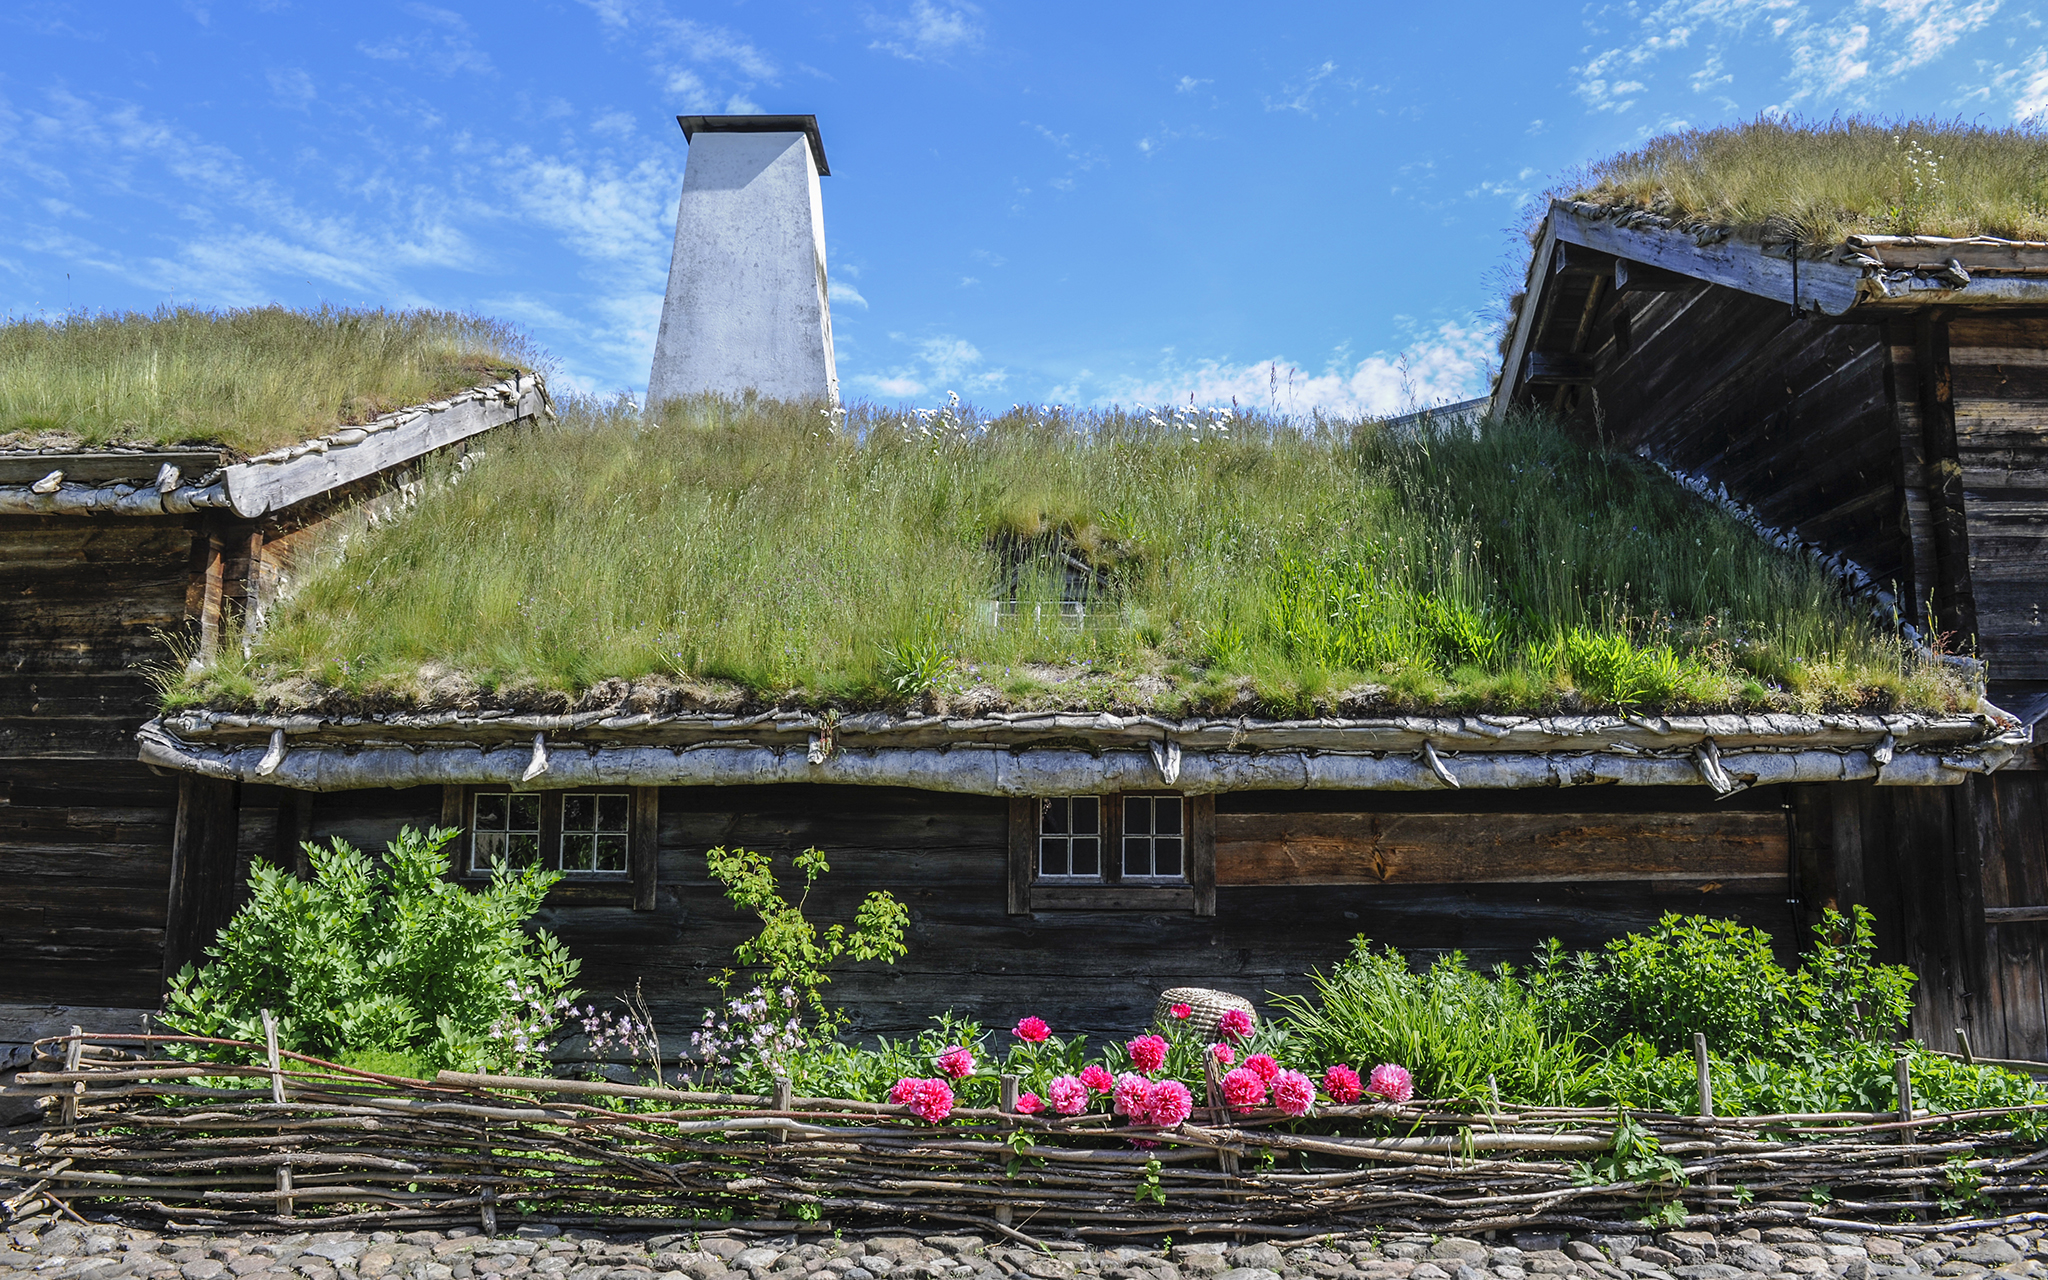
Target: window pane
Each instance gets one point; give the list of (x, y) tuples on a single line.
[(1166, 856), (1087, 815), (612, 812), (1137, 856), (525, 815), (579, 812), (1138, 815), (484, 846), (522, 850), (577, 851), (1087, 856), (611, 853), (1052, 856), (1167, 821), (1052, 817), (490, 812)]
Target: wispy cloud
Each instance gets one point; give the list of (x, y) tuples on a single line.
[(929, 32), (444, 43), (843, 294), (292, 87), (1452, 362), (935, 365), (1300, 94)]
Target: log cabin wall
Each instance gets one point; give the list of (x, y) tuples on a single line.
[(85, 830), (1794, 416), (1299, 876)]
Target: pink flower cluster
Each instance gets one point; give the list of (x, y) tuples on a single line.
[(1097, 1078), (956, 1062), (1341, 1083), (1032, 1030), (1069, 1095), (930, 1100), (1235, 1022), (1244, 1088), (1161, 1103), (1148, 1053), (1391, 1082)]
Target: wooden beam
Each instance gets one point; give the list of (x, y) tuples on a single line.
[(1954, 601), (1577, 260), (1522, 333), (204, 888), (205, 590), (294, 828), (1023, 830), (2014, 915), (1201, 811), (1828, 287), (1557, 369), (1112, 897), (1641, 277), (1749, 848), (643, 846)]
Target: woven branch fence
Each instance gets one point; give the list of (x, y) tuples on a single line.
[(302, 1140)]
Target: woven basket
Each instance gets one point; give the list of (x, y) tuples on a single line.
[(1208, 1008)]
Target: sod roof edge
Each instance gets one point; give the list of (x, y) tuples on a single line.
[(156, 482), (1065, 753)]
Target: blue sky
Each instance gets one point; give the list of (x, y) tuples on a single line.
[(1293, 204)]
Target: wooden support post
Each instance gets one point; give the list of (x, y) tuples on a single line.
[(1012, 1087), (487, 1198), (1902, 1070), (1706, 1075), (74, 1053), (205, 888), (785, 1095), (643, 846), (277, 1095), (1963, 1047)]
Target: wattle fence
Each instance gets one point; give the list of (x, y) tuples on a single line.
[(300, 1141)]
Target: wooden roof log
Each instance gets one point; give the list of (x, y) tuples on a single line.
[(1641, 277), (1557, 369), (1574, 259)]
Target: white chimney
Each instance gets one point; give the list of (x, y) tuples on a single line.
[(746, 307)]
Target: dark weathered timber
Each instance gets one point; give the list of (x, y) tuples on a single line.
[(1999, 409), (206, 876), (1641, 277), (1557, 369)]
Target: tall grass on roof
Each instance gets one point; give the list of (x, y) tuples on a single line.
[(251, 379), (1823, 180), (764, 550)]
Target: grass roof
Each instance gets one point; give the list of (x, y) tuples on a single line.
[(730, 555), (1820, 181), (250, 380)]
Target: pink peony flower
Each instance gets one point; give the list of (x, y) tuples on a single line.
[(1341, 1083), (1223, 1053), (1148, 1053), (1069, 1096), (1169, 1103), (1132, 1092), (1391, 1082), (1032, 1030), (1263, 1064), (929, 1100), (1243, 1089), (956, 1062), (1294, 1093), (1235, 1022), (1183, 1011), (1029, 1104), (1097, 1077)]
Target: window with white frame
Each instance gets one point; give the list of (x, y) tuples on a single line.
[(1154, 838), (1070, 838), (594, 828), (504, 827), (583, 834)]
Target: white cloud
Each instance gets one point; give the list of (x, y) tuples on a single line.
[(1299, 95), (292, 87), (1452, 362), (1188, 84), (444, 45), (843, 294), (936, 365), (928, 32)]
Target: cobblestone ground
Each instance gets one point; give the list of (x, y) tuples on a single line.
[(65, 1250)]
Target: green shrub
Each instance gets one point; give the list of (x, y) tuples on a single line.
[(1452, 1028), (383, 956)]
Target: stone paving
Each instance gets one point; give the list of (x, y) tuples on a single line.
[(48, 1249)]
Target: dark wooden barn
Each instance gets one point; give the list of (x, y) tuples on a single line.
[(1884, 402), (114, 562)]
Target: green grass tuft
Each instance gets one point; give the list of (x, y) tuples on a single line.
[(1820, 181), (758, 553), (251, 379)]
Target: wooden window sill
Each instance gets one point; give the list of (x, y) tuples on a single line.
[(1112, 897)]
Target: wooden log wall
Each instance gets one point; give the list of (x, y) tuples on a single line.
[(1397, 868), (85, 831), (1998, 420), (1794, 416)]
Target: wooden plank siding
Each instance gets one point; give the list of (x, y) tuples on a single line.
[(946, 858), (1794, 416), (2000, 377)]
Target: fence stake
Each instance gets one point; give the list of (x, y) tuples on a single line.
[(1963, 1047), (785, 1096), (1902, 1069), (1706, 1074), (1012, 1087), (487, 1199), (284, 1171), (74, 1053), (1226, 1160)]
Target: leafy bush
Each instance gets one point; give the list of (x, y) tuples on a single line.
[(1452, 1028), (380, 957), (1696, 974)]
